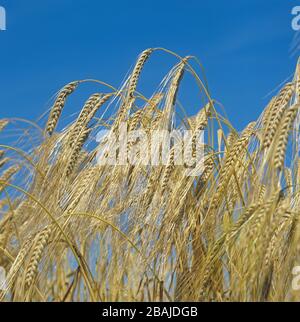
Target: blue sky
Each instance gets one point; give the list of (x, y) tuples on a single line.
[(244, 47)]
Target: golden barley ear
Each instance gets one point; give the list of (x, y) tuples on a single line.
[(284, 131), (3, 124), (39, 244), (144, 56), (7, 175), (58, 106), (3, 161), (132, 84), (276, 112)]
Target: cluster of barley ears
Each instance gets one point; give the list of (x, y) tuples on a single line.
[(72, 229)]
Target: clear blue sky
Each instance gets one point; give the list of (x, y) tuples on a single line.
[(243, 44)]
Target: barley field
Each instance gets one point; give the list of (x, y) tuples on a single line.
[(72, 229)]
